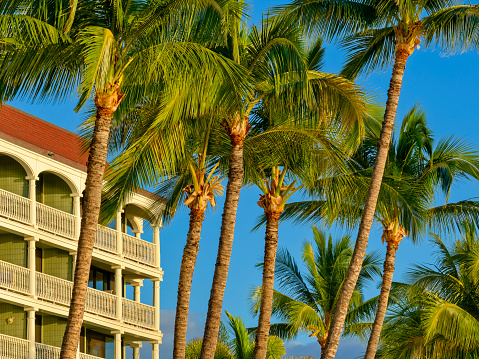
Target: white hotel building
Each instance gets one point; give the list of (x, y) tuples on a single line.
[(42, 176)]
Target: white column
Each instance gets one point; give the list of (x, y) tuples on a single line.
[(137, 234), (137, 284), (156, 242), (118, 291), (32, 195), (156, 302), (136, 349), (77, 213), (31, 331), (31, 258), (117, 345), (155, 353), (119, 236), (74, 262)]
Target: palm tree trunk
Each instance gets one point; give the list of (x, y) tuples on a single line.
[(186, 277), (389, 263), (106, 106), (323, 352), (215, 304), (266, 305), (354, 269)]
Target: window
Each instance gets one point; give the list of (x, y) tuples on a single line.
[(38, 329), (95, 343), (101, 279), (39, 260)]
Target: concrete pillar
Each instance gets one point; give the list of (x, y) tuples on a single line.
[(119, 236), (31, 331), (155, 353), (137, 284), (77, 214), (156, 242), (32, 195), (74, 262), (118, 291), (156, 302), (117, 345), (136, 349), (31, 259), (137, 234)]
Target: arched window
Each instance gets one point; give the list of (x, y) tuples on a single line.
[(53, 191), (12, 176)]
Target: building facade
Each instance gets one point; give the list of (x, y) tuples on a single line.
[(42, 176)]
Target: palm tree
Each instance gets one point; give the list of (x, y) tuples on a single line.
[(307, 302), (417, 171), (117, 54), (194, 183), (239, 346), (282, 83), (273, 198), (309, 151), (437, 315), (388, 31)]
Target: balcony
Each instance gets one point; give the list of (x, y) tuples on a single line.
[(16, 348), (58, 291), (61, 223)]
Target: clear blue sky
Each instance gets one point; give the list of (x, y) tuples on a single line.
[(445, 86)]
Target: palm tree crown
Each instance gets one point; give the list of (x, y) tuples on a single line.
[(437, 314), (306, 302)]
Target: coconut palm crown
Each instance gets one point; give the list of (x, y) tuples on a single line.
[(417, 172), (437, 314), (306, 302), (377, 34), (115, 54)]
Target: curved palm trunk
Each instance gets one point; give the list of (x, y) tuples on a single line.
[(215, 304), (402, 54), (322, 351), (266, 305), (106, 104), (186, 277), (389, 264)]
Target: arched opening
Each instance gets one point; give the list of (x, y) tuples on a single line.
[(12, 176), (53, 191), (133, 217)]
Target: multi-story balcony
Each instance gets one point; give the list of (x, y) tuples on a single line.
[(66, 225), (16, 348), (58, 291), (40, 214), (42, 177)]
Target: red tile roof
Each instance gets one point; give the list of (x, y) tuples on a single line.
[(42, 137), (47, 139)]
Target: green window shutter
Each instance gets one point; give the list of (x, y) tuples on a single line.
[(57, 263), (18, 328), (54, 192), (53, 329), (13, 249), (12, 176)]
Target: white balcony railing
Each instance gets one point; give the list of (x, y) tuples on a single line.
[(138, 314), (43, 351), (101, 303), (62, 223), (14, 206), (14, 278), (16, 348), (53, 220), (13, 348), (87, 356), (59, 291), (138, 249), (106, 239)]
